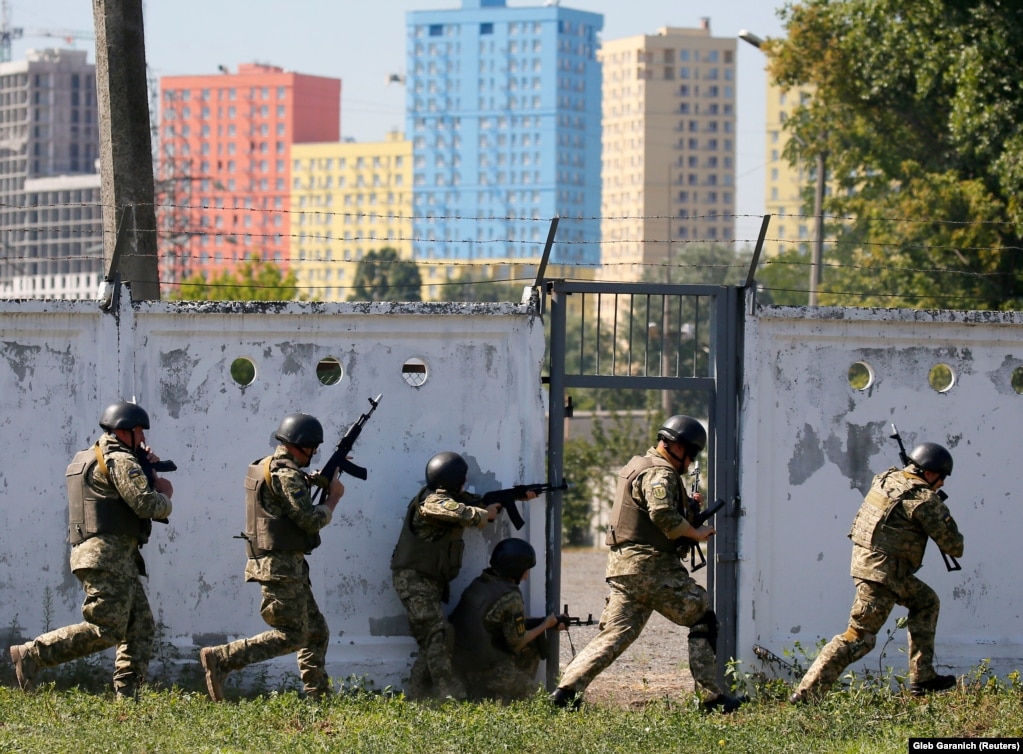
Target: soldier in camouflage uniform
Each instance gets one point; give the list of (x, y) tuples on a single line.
[(645, 571), (900, 512), (281, 527), (497, 649), (426, 559), (112, 502)]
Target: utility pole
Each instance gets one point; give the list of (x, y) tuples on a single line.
[(817, 257), (126, 156)]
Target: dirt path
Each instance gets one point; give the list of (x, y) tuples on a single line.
[(654, 667)]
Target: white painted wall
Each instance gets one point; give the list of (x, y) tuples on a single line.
[(61, 362), (811, 445)]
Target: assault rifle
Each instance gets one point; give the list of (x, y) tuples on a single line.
[(506, 498), (564, 619), (951, 564), (152, 469), (697, 518), (339, 458)]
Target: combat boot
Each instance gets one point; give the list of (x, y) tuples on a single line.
[(450, 689), (726, 703), (127, 689), (566, 698), (24, 666), (215, 674), (938, 683)]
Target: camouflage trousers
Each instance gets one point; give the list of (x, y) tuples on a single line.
[(432, 673), (288, 606), (873, 604), (507, 681), (632, 601), (116, 613)]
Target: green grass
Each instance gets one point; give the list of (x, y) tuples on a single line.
[(858, 719)]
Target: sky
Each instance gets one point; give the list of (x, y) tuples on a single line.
[(362, 42)]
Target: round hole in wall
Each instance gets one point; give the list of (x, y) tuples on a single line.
[(413, 371), (860, 376), (941, 378), (243, 371), (1017, 380), (329, 371)]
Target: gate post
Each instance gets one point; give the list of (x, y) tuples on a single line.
[(555, 473)]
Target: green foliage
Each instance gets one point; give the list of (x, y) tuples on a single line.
[(466, 287), (383, 276), (592, 465), (783, 279), (252, 280), (919, 110)]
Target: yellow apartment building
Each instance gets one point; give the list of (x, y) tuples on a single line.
[(347, 199), (786, 188), (668, 157)]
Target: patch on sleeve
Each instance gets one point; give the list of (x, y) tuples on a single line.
[(138, 478), (451, 505), (659, 491), (946, 518), (520, 625)]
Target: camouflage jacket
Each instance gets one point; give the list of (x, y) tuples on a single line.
[(287, 495), (660, 491), (126, 479), (899, 514)]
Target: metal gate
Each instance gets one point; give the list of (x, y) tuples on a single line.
[(689, 337)]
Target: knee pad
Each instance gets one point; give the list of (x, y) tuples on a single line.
[(706, 628)]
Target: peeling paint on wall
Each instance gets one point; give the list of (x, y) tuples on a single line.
[(812, 439), (63, 359)]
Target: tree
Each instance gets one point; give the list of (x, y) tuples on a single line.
[(782, 278), (466, 288), (592, 464), (919, 110), (383, 276), (252, 280)]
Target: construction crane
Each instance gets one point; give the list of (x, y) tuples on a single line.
[(10, 33)]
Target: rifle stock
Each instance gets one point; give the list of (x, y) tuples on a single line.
[(951, 564)]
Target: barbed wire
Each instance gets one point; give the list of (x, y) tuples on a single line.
[(180, 233), (430, 216)]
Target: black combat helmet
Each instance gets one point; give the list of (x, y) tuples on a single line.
[(930, 456), (302, 430), (513, 557), (686, 431), (446, 471), (123, 415)]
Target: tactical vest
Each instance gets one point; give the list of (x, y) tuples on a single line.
[(475, 647), (629, 522), (881, 523), (264, 532), (440, 560), (90, 513)]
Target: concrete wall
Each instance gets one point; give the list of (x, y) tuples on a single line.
[(811, 443), (61, 362)]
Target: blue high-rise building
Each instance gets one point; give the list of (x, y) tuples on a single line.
[(503, 109)]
